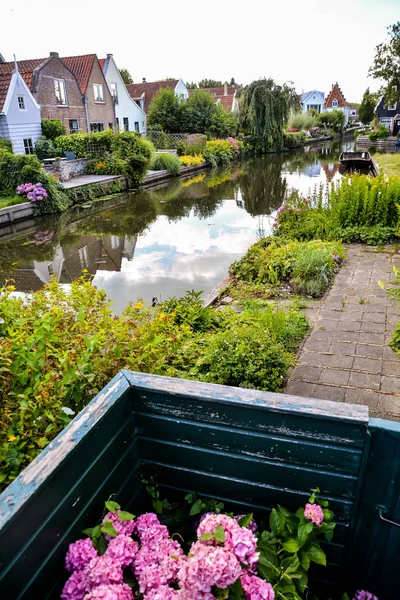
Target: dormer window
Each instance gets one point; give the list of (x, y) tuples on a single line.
[(392, 106), (334, 103)]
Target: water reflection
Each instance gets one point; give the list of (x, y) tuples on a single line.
[(161, 242)]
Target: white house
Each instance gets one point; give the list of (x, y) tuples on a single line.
[(129, 115), (20, 120), (314, 99), (144, 93)]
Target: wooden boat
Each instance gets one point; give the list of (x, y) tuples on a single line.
[(252, 449), (356, 160)]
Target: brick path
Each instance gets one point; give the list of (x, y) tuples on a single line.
[(346, 356)]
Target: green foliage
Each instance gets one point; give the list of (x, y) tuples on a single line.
[(170, 162), (289, 547), (275, 261), (219, 152), (165, 111), (333, 119), (6, 145), (223, 123), (198, 111), (208, 83), (45, 148), (126, 76), (264, 111), (386, 64), (294, 139), (367, 108), (52, 128), (302, 121), (381, 133)]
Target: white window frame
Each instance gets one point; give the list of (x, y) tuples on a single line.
[(392, 107), (71, 130), (60, 90), (335, 103), (28, 146), (21, 97), (136, 126), (83, 254), (125, 122), (97, 88), (114, 89)]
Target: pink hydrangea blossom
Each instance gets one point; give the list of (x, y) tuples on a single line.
[(239, 540), (314, 513), (110, 592), (158, 564), (256, 589), (121, 527), (209, 566), (364, 595), (123, 548), (75, 587), (102, 570), (79, 554), (144, 522)]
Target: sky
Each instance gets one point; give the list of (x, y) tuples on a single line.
[(312, 43)]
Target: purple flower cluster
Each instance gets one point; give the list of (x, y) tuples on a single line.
[(252, 525), (314, 513), (234, 144), (364, 595), (79, 555), (35, 192), (110, 592), (280, 210), (101, 571)]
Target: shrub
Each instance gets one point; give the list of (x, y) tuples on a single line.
[(45, 148), (6, 145), (294, 139), (381, 133), (333, 119), (169, 162), (193, 148), (223, 123), (188, 160), (302, 121), (219, 152), (52, 128)]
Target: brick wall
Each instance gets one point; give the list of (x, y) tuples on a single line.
[(98, 112), (66, 169), (45, 94)]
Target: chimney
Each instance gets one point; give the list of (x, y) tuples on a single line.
[(54, 55), (109, 55), (225, 89), (144, 80)]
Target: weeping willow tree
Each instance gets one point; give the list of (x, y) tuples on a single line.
[(265, 108)]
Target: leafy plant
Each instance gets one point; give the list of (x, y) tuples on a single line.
[(45, 148), (169, 162), (6, 145), (52, 128), (302, 121), (188, 160), (381, 133), (164, 111)]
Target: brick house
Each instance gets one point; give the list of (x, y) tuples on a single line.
[(94, 90), (337, 101), (225, 95), (144, 93), (54, 88)]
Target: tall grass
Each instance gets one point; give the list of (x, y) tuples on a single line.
[(302, 121)]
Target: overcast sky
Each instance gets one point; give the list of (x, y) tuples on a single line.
[(312, 43)]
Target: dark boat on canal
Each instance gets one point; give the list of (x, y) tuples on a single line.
[(357, 161)]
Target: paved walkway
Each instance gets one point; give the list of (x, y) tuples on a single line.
[(87, 180), (346, 356)]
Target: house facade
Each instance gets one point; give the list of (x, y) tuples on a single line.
[(20, 120), (226, 95), (95, 94), (129, 115), (389, 116), (312, 100), (337, 101), (143, 93)]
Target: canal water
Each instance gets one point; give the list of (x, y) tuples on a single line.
[(159, 243)]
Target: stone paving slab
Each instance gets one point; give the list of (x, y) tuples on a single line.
[(346, 357)]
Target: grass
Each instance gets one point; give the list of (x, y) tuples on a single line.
[(390, 163), (11, 201)]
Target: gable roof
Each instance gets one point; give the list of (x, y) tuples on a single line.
[(80, 67), (150, 89), (218, 93), (5, 80), (306, 95), (335, 94), (25, 67)]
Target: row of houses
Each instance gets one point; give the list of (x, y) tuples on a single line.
[(334, 101)]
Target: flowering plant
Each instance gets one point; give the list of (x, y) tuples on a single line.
[(234, 144), (35, 192), (292, 130)]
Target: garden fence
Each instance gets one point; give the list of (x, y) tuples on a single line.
[(164, 141)]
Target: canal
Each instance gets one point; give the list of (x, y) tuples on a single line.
[(162, 242)]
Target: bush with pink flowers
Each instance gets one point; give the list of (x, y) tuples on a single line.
[(34, 192)]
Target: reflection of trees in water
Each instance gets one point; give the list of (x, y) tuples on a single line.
[(262, 185)]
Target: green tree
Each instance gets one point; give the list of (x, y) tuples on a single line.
[(223, 123), (52, 128), (333, 119), (191, 85), (207, 83), (386, 64), (165, 111), (367, 108), (264, 111), (198, 111), (126, 76)]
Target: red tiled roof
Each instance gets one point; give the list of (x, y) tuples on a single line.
[(5, 80), (150, 89), (220, 91), (25, 67), (227, 102), (81, 67), (102, 63), (335, 94)]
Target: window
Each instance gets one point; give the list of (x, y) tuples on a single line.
[(392, 106), (117, 122), (111, 125), (21, 102), (126, 124), (96, 127), (114, 242), (50, 269), (61, 92), (73, 126), (334, 103), (98, 89), (28, 146), (114, 91), (83, 256), (143, 124), (137, 126)]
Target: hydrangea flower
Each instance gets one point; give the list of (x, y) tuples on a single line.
[(34, 192), (157, 565), (75, 587), (144, 522), (79, 554), (110, 592), (314, 513), (102, 570), (239, 540), (252, 525), (123, 549), (121, 527), (364, 595), (256, 589)]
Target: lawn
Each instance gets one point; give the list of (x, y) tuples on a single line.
[(390, 163), (10, 200)]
